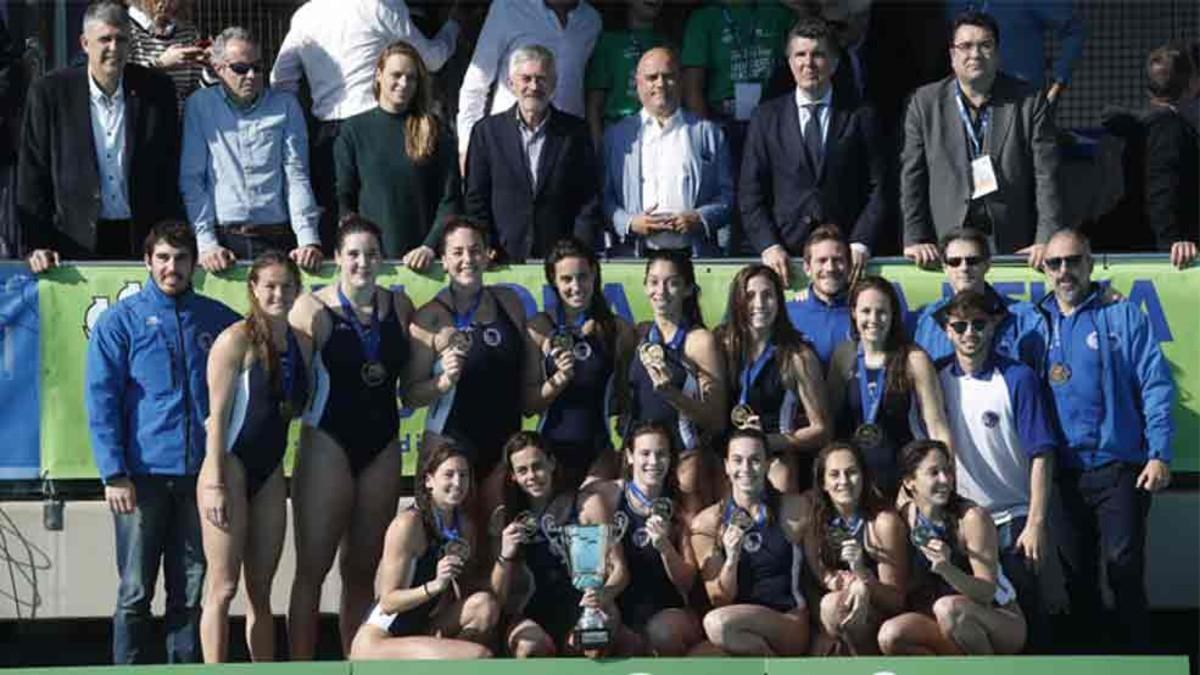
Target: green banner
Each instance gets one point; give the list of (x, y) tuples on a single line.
[(72, 298)]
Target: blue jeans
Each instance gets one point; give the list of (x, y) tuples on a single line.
[(165, 526), (1103, 505), (1025, 582)]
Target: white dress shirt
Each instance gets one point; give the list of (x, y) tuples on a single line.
[(533, 139), (665, 155), (108, 134), (803, 100), (517, 23), (336, 43)]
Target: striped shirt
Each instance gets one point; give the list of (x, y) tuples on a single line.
[(145, 48)]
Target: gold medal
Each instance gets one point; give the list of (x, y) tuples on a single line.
[(460, 341), (1060, 373), (458, 548), (663, 508), (652, 355), (868, 436), (741, 519), (562, 341), (742, 416)]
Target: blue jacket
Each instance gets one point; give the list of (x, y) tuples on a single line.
[(1135, 381), (825, 325), (146, 384), (709, 176), (1017, 336)]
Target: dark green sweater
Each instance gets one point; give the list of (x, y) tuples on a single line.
[(377, 180)]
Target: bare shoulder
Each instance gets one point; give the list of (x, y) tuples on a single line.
[(541, 325), (705, 522)]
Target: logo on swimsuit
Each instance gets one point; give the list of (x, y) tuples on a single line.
[(492, 337), (990, 419)]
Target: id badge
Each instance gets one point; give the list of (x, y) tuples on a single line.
[(983, 177), (745, 99)]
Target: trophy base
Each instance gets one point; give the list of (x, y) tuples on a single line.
[(592, 639)]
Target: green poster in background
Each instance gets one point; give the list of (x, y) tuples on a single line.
[(72, 298)]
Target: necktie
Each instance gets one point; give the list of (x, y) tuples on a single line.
[(812, 134)]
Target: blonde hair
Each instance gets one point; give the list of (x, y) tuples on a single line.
[(421, 127)]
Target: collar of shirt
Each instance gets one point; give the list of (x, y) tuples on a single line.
[(837, 301), (1050, 302), (803, 99), (243, 108), (98, 95), (652, 122), (975, 111), (984, 374), (536, 130), (552, 16)]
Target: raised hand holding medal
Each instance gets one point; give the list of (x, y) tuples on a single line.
[(373, 372), (743, 416)]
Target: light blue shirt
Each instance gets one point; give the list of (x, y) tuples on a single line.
[(246, 165), (108, 134)]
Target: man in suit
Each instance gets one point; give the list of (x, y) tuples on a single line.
[(979, 151), (99, 155), (667, 175), (531, 170), (812, 156)]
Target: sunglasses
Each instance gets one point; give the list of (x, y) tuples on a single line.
[(244, 68), (960, 327), (970, 260), (1057, 263)]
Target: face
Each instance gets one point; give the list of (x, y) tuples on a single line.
[(966, 265), (933, 481), (827, 267), (812, 64), (275, 290), (533, 83), (575, 281), (171, 268), (650, 459), (533, 471), (658, 83), (973, 54), (164, 10), (746, 464), (666, 288), (761, 303), (107, 48), (976, 333), (843, 479), (241, 56), (464, 257), (1068, 268), (450, 481), (358, 259), (873, 315), (397, 81)]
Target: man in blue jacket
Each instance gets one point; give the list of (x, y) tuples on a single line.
[(820, 311), (1113, 393), (147, 400)]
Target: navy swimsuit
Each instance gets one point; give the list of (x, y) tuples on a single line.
[(576, 424), (650, 590)]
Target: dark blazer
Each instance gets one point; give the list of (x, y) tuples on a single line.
[(783, 196), (58, 183), (525, 223), (935, 181)]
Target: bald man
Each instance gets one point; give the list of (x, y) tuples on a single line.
[(668, 181)]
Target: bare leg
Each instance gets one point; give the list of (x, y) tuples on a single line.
[(529, 640), (860, 638), (473, 618), (914, 634), (223, 553), (264, 543), (374, 643), (672, 632), (979, 629), (752, 630)]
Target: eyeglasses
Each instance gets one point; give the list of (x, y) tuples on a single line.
[(987, 47), (1058, 262), (245, 68), (970, 260), (977, 325)]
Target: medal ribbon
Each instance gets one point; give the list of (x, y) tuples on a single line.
[(676, 343), (751, 372), (637, 493), (730, 506), (451, 533), (926, 523), (871, 397), (852, 525), (288, 361), (368, 337), (985, 119), (464, 321), (575, 326)]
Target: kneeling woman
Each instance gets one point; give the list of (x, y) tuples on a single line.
[(857, 550), (258, 377), (530, 574), (749, 548), (962, 602), (426, 609), (657, 547)]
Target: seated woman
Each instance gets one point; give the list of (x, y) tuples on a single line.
[(662, 567), (530, 576), (857, 550), (426, 607), (749, 548), (961, 601)]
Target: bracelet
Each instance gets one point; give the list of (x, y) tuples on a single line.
[(425, 587), (502, 560)]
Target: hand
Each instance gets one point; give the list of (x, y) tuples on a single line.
[(448, 571), (1032, 545), (659, 377), (1183, 253), (937, 553), (658, 529), (594, 598), (1036, 253), (686, 222), (859, 255), (839, 580), (1055, 91), (852, 554), (180, 54), (512, 538), (776, 258), (309, 257), (217, 259), (419, 259), (731, 541), (213, 504), (121, 496), (453, 362), (924, 255), (856, 601), (647, 223), (564, 362), (42, 259), (1156, 476)]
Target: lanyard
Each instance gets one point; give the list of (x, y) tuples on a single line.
[(464, 321), (985, 119), (751, 372), (638, 494), (369, 337), (926, 523), (448, 533), (758, 522), (870, 392), (575, 326), (852, 525), (287, 363), (676, 343)]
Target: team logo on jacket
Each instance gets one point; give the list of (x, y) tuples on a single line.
[(205, 340), (990, 419), (1093, 340)]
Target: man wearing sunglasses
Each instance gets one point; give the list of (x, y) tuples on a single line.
[(966, 259), (1113, 393), (1004, 442), (244, 172)]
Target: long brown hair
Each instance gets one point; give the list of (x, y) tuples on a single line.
[(911, 456), (896, 344), (258, 325), (598, 310), (515, 499), (870, 502), (734, 334), (421, 128), (438, 452)]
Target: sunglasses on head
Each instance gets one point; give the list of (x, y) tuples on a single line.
[(960, 326), (1056, 263), (244, 68), (970, 260)]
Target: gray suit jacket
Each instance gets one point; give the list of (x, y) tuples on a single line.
[(935, 180)]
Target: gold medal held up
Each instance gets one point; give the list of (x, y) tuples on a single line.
[(652, 355), (460, 341)]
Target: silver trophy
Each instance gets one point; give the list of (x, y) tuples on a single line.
[(587, 559)]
